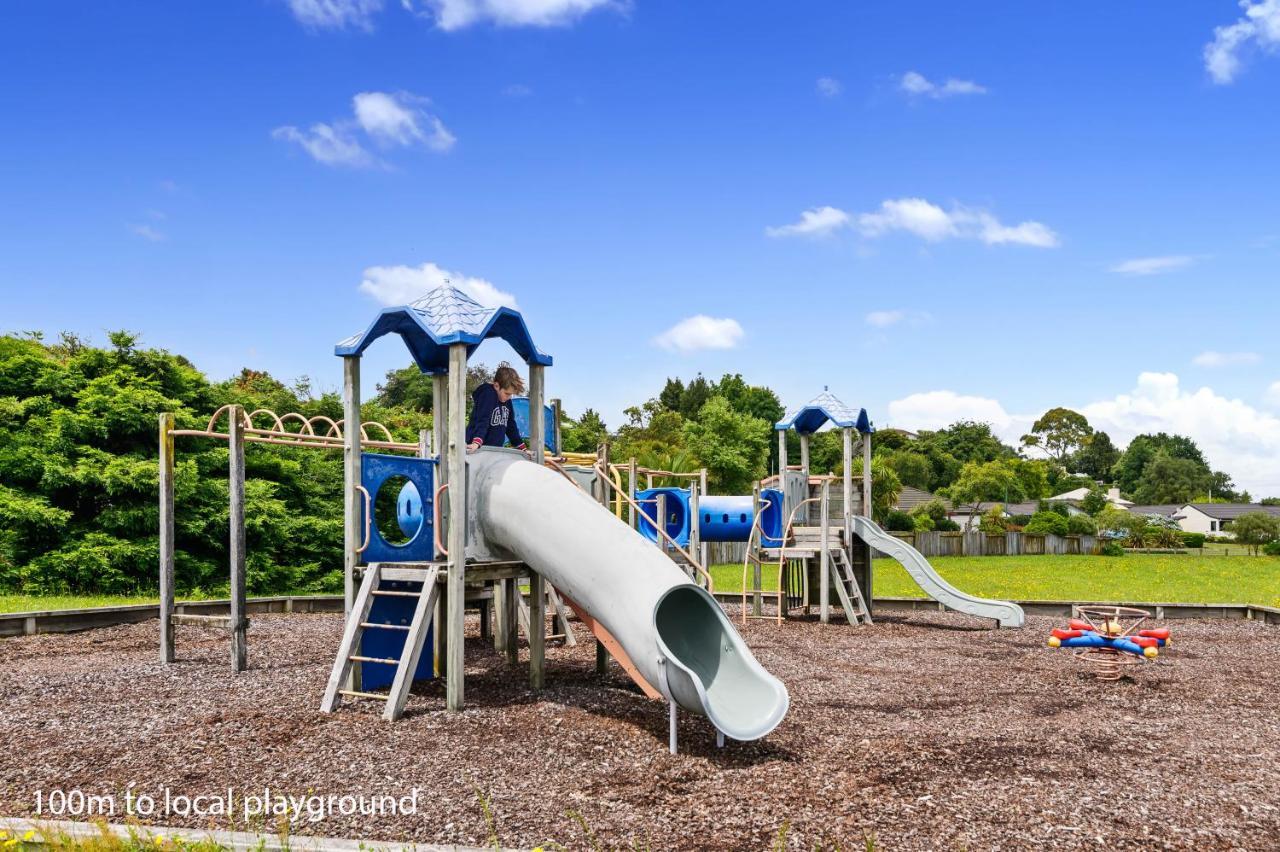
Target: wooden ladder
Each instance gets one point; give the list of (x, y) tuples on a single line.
[(557, 609), (358, 622), (855, 606)]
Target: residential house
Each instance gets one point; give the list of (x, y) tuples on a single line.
[(1212, 518)]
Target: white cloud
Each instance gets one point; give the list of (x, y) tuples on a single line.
[(829, 87), (896, 316), (330, 144), (389, 119), (817, 222), (1259, 27), (701, 332), (1153, 265), (400, 285), (458, 14), (884, 319), (1225, 359), (148, 233), (1235, 436), (399, 119), (914, 83), (930, 222), (335, 14), (936, 409)]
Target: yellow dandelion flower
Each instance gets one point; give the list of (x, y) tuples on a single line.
[(29, 836)]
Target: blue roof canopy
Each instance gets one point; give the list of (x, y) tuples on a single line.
[(823, 408), (445, 316)]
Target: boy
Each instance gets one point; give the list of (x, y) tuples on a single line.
[(492, 419)]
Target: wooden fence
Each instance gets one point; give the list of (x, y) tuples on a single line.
[(977, 543)]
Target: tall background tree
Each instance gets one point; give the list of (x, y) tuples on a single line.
[(1060, 432)]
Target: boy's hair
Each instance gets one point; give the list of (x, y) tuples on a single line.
[(507, 378)]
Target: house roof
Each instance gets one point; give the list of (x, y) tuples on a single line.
[(909, 498), (445, 316), (1029, 507), (825, 407), (1231, 511), (1073, 494), (1167, 510)]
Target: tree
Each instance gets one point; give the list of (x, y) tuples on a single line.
[(1081, 525), (978, 482), (1060, 432), (1095, 501), (1141, 450), (696, 394), (968, 441), (585, 434), (1255, 529), (1096, 458), (733, 446), (913, 468), (1044, 523), (756, 400), (1167, 479), (671, 395), (993, 521)]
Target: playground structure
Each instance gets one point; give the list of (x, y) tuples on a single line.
[(1111, 638), (431, 530)]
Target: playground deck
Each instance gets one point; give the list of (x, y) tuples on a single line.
[(928, 732)]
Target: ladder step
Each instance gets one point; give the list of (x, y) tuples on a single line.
[(392, 594), (370, 625), (359, 659), (352, 693)]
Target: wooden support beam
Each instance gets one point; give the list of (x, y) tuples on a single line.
[(457, 535), (352, 503), (631, 484), (866, 511), (510, 616), (804, 456), (824, 555), (703, 554), (166, 538), (557, 411), (757, 571), (236, 549), (537, 587)]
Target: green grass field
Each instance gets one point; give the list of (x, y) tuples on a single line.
[(1139, 577)]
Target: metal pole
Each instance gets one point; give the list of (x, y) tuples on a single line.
[(236, 550), (166, 538), (455, 597)]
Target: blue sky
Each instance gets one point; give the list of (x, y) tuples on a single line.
[(1010, 206)]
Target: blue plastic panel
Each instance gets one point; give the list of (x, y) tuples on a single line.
[(389, 644), (676, 508), (520, 408), (377, 469)]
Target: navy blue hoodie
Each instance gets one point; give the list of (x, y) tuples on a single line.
[(492, 421)]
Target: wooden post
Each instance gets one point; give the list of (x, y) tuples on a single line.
[(866, 577), (352, 503), (236, 549), (440, 439), (537, 588), (695, 540), (782, 456), (424, 447), (702, 492), (631, 484), (804, 457), (757, 572), (602, 653), (455, 593), (846, 493), (660, 520), (866, 475), (166, 538), (824, 556), (557, 412)]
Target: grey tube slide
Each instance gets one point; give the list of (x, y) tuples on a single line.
[(1007, 613), (677, 636)]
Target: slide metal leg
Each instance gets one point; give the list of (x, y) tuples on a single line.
[(672, 744), (719, 738)]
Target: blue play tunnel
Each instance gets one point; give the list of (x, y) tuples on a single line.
[(720, 517)]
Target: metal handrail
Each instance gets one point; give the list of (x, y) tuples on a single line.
[(368, 518), (747, 558), (697, 566), (435, 519)]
